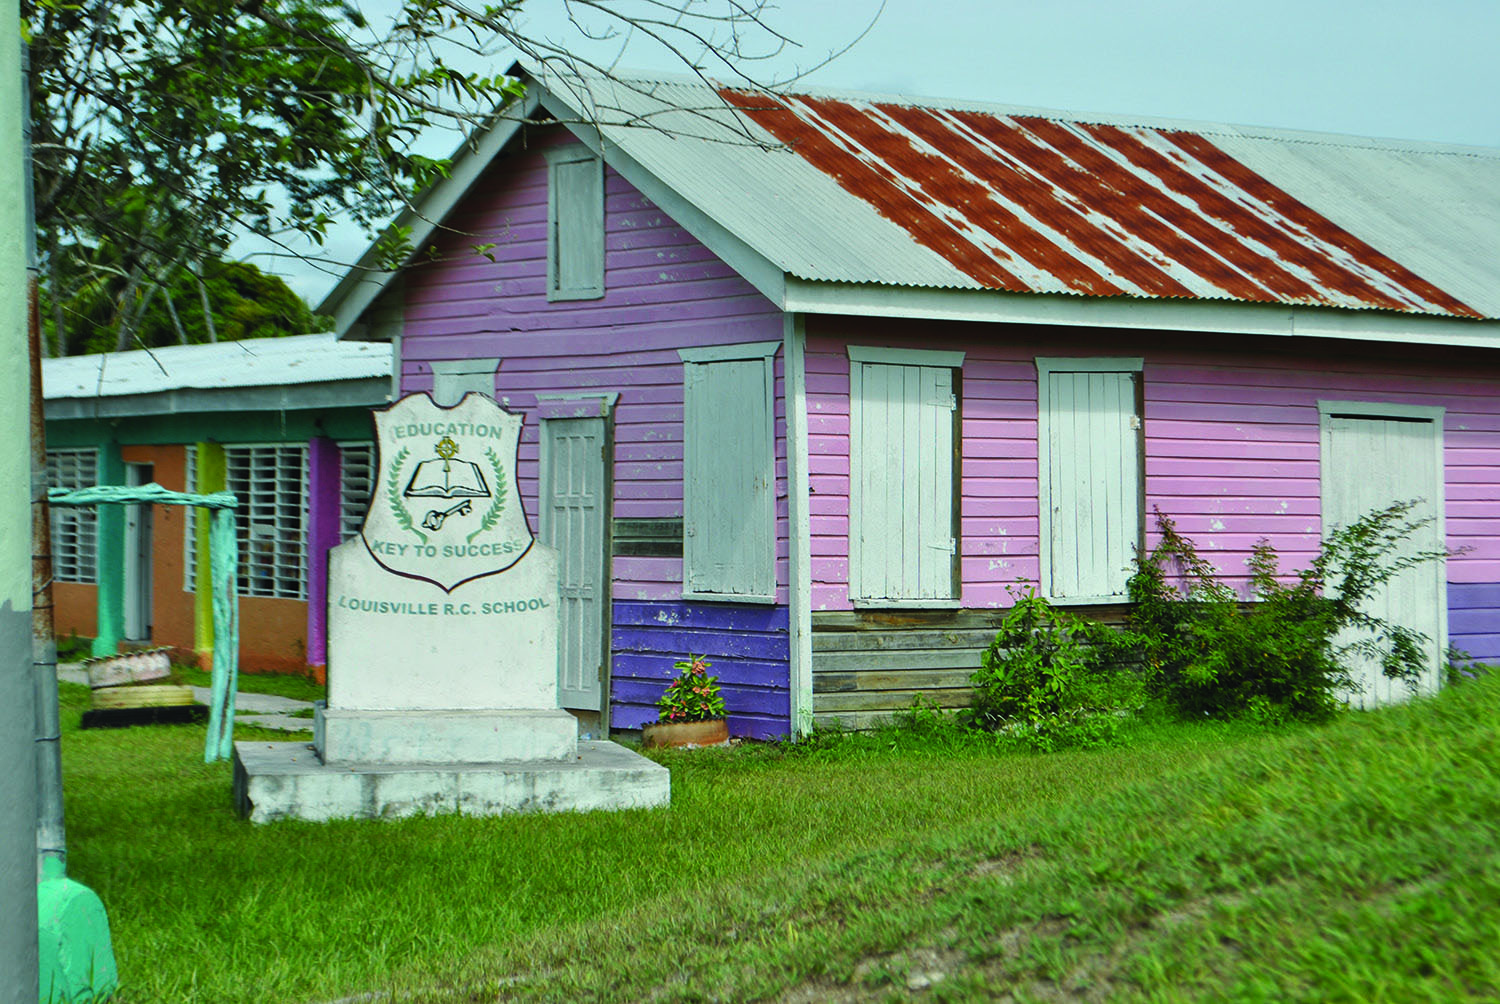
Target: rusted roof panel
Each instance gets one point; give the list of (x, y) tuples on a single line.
[(1037, 204)]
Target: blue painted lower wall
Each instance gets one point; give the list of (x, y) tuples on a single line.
[(748, 646), (1474, 619)]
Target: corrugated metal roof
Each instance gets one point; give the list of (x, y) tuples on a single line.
[(262, 362), (852, 188)]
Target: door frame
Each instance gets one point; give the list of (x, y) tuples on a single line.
[(1432, 415), (600, 405), (139, 557)]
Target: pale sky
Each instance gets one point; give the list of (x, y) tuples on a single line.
[(1411, 69)]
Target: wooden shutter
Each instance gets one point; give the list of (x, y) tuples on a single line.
[(1090, 489), (901, 538), (729, 472), (575, 226)]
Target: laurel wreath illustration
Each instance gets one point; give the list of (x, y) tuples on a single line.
[(393, 492), (494, 511)]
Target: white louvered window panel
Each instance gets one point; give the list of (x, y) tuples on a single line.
[(271, 484), (190, 526), (356, 484), (74, 530)]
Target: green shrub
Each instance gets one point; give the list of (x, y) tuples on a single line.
[(1050, 679), (1287, 655)]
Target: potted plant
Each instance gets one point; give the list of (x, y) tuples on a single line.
[(692, 712)]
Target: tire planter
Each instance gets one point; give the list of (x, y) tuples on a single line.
[(714, 732)]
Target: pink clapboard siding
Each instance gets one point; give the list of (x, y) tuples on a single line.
[(664, 291), (1231, 442)]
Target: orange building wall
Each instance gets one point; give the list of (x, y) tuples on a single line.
[(75, 609), (273, 632)]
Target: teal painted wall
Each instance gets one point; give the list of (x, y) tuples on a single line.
[(110, 562), (221, 427)]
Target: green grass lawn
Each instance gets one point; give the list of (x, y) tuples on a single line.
[(1358, 861)]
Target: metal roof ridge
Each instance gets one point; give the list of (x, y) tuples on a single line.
[(1205, 127)]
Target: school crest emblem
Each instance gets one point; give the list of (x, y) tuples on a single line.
[(445, 506)]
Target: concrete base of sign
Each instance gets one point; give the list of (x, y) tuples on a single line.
[(287, 781), (418, 738)]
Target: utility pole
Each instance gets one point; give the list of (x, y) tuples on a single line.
[(18, 772)]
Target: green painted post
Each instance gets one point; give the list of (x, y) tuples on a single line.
[(110, 560), (212, 471)]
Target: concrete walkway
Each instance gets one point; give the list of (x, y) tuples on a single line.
[(266, 711)]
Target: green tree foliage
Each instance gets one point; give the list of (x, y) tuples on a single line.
[(213, 302), (161, 129)]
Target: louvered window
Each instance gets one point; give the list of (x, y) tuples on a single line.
[(190, 526), (356, 482), (74, 530), (271, 485)]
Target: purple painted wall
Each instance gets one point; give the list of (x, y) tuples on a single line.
[(1232, 447), (322, 534), (664, 291), (746, 645)]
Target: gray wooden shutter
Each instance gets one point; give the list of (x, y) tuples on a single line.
[(729, 478), (902, 544), (1091, 482), (575, 226)]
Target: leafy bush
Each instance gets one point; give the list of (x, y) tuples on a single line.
[(1288, 655), (1049, 679)]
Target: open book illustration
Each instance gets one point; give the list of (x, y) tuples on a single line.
[(445, 477)]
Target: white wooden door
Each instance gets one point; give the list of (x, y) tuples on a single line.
[(1090, 474), (138, 559), (901, 540), (574, 506), (1370, 461)]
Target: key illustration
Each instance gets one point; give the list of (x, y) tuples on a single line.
[(434, 518)]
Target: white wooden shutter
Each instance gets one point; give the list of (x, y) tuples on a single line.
[(729, 479), (902, 541), (575, 225), (1090, 491)]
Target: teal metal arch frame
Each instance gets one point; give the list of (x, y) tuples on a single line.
[(223, 567)]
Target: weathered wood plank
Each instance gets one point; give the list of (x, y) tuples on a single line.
[(826, 682), (892, 641), (889, 700), (849, 662)]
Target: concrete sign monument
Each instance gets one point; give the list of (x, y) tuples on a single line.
[(442, 648)]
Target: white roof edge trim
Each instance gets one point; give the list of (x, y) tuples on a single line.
[(365, 281), (1382, 409), (768, 278), (1228, 317)]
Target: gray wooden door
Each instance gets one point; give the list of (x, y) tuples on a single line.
[(1368, 463), (574, 506)]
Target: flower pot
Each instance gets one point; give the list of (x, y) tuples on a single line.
[(714, 732)]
